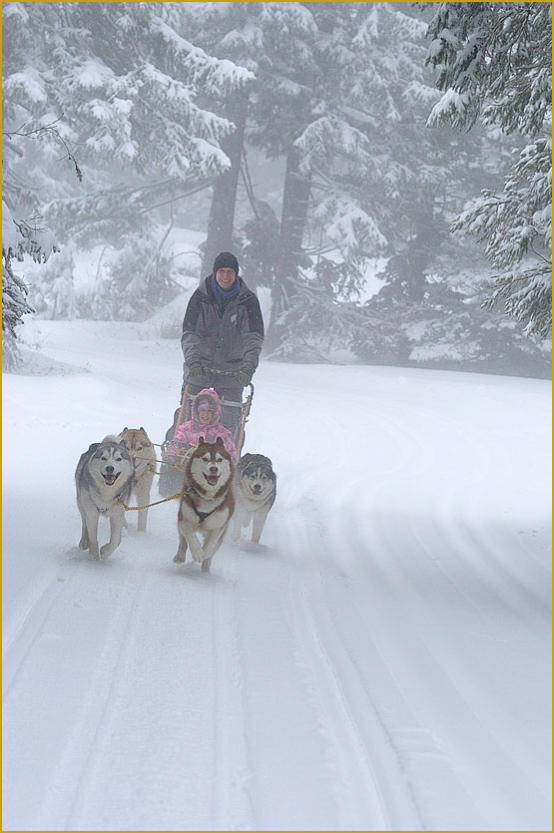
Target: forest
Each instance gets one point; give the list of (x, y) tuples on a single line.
[(381, 170)]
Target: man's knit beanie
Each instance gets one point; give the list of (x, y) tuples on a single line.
[(226, 260)]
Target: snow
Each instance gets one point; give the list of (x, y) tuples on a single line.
[(423, 93), (93, 73), (379, 662), (208, 152), (11, 237), (451, 103), (28, 83), (222, 73), (23, 238), (15, 10), (351, 223)]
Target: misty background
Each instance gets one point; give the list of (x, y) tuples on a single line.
[(381, 170)]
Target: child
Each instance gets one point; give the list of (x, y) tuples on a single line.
[(205, 422)]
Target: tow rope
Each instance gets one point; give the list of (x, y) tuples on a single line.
[(148, 505)]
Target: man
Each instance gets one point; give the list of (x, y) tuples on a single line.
[(222, 338)]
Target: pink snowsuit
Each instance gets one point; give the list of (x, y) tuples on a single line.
[(191, 431)]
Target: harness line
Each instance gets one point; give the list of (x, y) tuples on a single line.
[(147, 506)]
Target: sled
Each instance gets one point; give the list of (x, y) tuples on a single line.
[(234, 416)]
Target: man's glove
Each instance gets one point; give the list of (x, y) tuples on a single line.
[(194, 370), (243, 378)]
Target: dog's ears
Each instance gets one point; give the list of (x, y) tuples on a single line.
[(125, 429), (92, 448), (201, 440), (219, 441)]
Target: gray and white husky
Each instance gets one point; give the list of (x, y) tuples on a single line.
[(255, 492), (207, 502), (104, 479)]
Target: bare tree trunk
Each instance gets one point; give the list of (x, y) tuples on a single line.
[(222, 211), (293, 222), (421, 244)]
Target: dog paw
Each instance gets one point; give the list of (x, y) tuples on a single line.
[(106, 551), (206, 565), (83, 544), (179, 558)]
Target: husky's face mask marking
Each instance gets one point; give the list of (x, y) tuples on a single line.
[(258, 481), (209, 468), (110, 463)]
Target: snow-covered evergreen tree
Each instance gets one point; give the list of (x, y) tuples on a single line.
[(283, 106), (375, 180), (342, 92), (52, 287), (276, 42), (138, 280), (443, 325), (121, 84), (494, 65), (229, 31), (19, 238)]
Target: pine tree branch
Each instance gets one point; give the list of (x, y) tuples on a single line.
[(198, 188), (49, 128), (540, 257)]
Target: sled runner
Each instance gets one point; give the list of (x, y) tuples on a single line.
[(234, 417)]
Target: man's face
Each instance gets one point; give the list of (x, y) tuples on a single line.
[(225, 277)]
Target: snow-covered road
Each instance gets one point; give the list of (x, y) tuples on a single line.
[(380, 662)]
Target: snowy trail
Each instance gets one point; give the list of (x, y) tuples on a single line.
[(380, 662)]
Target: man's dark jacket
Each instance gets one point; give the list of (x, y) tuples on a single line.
[(227, 339)]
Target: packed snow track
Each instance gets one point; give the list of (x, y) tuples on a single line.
[(380, 661)]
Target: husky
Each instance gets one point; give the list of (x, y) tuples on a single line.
[(104, 479), (206, 503), (143, 456), (255, 492)]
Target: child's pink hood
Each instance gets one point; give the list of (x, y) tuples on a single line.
[(206, 393), (191, 431)]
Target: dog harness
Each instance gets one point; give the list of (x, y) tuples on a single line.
[(201, 515)]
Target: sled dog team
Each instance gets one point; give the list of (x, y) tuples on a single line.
[(215, 492)]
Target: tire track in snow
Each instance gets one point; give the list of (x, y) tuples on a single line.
[(233, 808), (434, 662), (507, 584), (290, 783), (380, 663), (157, 735), (36, 720), (521, 586), (116, 651), (459, 522), (75, 761), (371, 786), (23, 631), (505, 611)]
